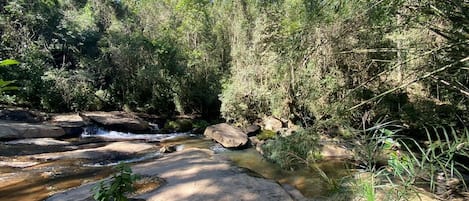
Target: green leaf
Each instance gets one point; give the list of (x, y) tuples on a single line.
[(4, 83), (8, 62)]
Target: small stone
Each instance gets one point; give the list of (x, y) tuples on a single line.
[(168, 149)]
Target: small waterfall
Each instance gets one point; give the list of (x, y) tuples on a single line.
[(97, 132)]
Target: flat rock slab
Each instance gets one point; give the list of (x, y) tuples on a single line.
[(106, 152), (68, 120), (39, 142), (117, 120), (18, 164), (332, 151), (194, 175), (226, 135), (14, 130)]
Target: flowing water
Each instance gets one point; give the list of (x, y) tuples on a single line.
[(38, 179)]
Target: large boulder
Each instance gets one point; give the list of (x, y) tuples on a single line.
[(272, 123), (332, 151), (71, 123), (252, 130), (15, 130), (117, 121), (226, 135)]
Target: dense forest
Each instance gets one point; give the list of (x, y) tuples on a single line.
[(347, 68)]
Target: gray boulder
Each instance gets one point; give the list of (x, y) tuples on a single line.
[(117, 121), (15, 130), (272, 123), (71, 123), (226, 135)]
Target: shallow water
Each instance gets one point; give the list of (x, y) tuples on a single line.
[(47, 177)]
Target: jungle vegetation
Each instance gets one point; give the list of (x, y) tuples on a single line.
[(327, 66)]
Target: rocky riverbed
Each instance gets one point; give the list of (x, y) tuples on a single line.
[(64, 167)]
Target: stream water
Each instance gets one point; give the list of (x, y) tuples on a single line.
[(32, 179)]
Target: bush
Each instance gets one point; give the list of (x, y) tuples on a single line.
[(293, 151), (118, 187), (266, 135), (179, 125)]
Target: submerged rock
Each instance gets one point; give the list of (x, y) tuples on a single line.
[(117, 121), (14, 130), (226, 135)]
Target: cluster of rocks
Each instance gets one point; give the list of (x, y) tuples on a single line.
[(233, 137), (22, 124)]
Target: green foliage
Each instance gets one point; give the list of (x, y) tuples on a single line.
[(295, 150), (399, 162), (179, 125), (266, 135), (119, 186), (8, 62), (306, 61), (6, 85), (446, 147)]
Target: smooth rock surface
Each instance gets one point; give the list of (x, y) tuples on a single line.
[(106, 152), (272, 123), (68, 120), (226, 135), (14, 130), (18, 164), (39, 141), (195, 175), (252, 130), (117, 120), (331, 151)]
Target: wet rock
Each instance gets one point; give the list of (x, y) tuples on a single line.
[(21, 115), (252, 130), (254, 140), (295, 193), (14, 130), (109, 151), (272, 123), (39, 141), (117, 121), (168, 149), (226, 135), (194, 174), (332, 151), (18, 164), (71, 123)]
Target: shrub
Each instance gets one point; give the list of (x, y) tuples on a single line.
[(266, 135), (118, 187), (295, 150)]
